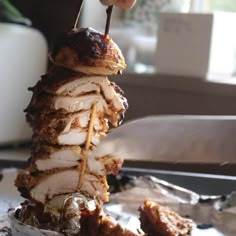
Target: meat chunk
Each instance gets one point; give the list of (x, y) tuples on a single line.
[(94, 54), (64, 92), (45, 186), (76, 136), (157, 220), (105, 165), (44, 103), (56, 124), (46, 158), (109, 227)]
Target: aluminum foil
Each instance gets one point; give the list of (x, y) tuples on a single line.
[(213, 215)]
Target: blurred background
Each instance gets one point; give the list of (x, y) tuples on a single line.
[(181, 55), (164, 90)]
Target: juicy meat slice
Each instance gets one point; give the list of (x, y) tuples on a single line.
[(76, 136), (40, 151), (49, 157), (97, 84), (70, 129), (55, 124), (63, 91), (84, 102), (43, 187), (61, 82), (104, 165), (159, 220), (109, 227), (46, 104)]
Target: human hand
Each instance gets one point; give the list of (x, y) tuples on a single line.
[(126, 4)]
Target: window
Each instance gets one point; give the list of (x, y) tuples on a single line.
[(214, 5), (136, 31)]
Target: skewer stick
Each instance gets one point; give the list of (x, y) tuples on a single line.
[(80, 5), (87, 145), (108, 21), (90, 129)]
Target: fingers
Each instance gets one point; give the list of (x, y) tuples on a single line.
[(126, 4)]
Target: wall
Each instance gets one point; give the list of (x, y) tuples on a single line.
[(162, 94)]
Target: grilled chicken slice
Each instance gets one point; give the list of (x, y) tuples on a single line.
[(46, 104), (104, 165), (46, 158), (45, 186), (60, 81), (64, 92), (159, 220), (88, 51), (109, 227), (74, 137), (49, 158), (70, 129), (62, 123), (97, 84)]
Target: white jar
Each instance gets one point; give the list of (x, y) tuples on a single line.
[(23, 59)]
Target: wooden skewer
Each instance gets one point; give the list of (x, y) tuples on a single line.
[(83, 166), (80, 5), (90, 129), (108, 21)]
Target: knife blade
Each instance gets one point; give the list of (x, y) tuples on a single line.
[(201, 139)]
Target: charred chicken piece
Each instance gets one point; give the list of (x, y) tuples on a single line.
[(41, 187), (61, 92), (80, 214), (157, 220), (109, 227), (88, 51)]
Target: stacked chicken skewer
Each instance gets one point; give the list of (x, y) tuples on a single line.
[(70, 112)]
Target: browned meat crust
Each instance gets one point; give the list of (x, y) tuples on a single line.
[(55, 78), (93, 50), (40, 151), (26, 179), (42, 105), (158, 220), (34, 214), (52, 125), (92, 222), (109, 227)]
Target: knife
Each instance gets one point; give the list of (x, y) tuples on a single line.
[(201, 139)]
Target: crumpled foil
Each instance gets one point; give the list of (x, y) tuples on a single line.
[(213, 215)]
